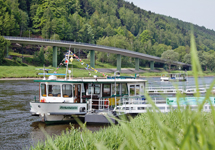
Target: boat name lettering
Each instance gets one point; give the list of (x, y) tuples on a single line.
[(68, 107)]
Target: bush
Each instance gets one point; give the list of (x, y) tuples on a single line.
[(19, 60)]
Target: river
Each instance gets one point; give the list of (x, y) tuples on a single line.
[(18, 129)]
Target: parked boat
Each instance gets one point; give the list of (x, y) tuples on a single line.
[(135, 107), (89, 99), (174, 77), (60, 99)]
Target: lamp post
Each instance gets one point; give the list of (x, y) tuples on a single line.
[(29, 34), (115, 85)]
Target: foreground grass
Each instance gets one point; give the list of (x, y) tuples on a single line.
[(175, 130)]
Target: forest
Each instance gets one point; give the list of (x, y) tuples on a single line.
[(115, 23)]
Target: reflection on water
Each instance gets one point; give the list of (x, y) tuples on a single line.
[(18, 129)]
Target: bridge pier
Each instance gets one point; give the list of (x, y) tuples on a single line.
[(118, 62), (152, 65), (137, 64), (7, 51), (92, 58), (54, 64)]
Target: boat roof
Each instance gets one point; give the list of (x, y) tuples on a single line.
[(175, 73), (117, 80)]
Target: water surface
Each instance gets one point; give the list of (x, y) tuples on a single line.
[(18, 129)]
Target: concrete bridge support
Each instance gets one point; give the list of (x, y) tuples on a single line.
[(7, 51), (54, 64), (152, 65), (92, 58), (137, 63), (119, 62)]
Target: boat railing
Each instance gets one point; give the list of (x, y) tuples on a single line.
[(162, 108), (181, 89), (98, 104)]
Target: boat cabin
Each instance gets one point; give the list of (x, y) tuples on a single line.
[(81, 90)]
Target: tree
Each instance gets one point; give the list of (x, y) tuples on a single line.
[(187, 59), (170, 56), (3, 45), (145, 36), (182, 50), (24, 22), (118, 41), (160, 48)]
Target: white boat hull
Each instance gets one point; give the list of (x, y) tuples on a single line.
[(58, 111)]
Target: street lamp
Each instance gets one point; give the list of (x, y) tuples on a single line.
[(29, 34)]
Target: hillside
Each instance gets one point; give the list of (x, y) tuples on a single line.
[(114, 23)]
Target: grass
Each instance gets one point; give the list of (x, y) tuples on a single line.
[(177, 129)]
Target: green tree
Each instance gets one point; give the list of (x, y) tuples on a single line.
[(145, 36), (118, 41), (182, 51), (170, 56), (8, 22), (187, 59), (3, 45), (24, 22), (160, 48)]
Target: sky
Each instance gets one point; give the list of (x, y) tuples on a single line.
[(199, 12)]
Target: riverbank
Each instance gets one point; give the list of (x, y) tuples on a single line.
[(31, 72)]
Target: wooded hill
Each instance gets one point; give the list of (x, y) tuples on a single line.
[(114, 23)]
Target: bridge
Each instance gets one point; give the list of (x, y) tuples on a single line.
[(92, 48)]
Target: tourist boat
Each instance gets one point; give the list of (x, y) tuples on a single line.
[(174, 77), (90, 100), (62, 99)]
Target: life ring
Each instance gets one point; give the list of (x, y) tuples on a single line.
[(106, 104), (43, 100), (163, 75)]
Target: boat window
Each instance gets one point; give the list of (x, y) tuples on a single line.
[(117, 89), (140, 108), (43, 90), (67, 90), (124, 89), (137, 89), (106, 90), (133, 108), (95, 89), (90, 89), (54, 91), (132, 90)]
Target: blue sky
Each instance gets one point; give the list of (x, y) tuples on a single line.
[(200, 12)]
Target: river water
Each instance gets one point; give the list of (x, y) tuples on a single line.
[(20, 130)]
